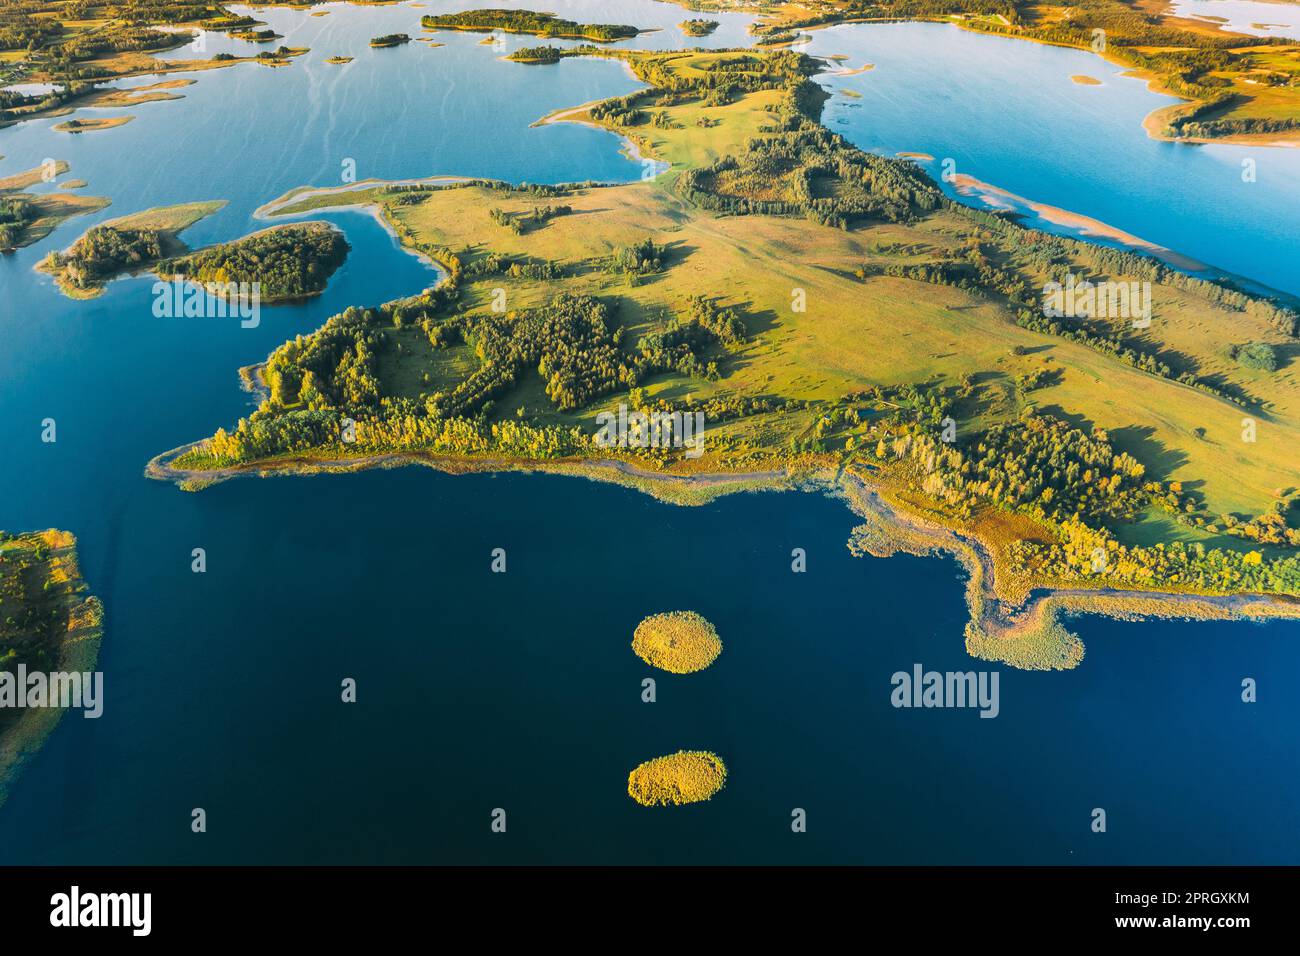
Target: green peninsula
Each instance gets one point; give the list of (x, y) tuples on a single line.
[(680, 642), (289, 262), (698, 27), (839, 324), (28, 217)]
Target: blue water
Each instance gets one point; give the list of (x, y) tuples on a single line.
[(520, 691), (1006, 112)]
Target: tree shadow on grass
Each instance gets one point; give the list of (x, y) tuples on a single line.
[(1139, 441)]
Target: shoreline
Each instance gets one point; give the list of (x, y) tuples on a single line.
[(541, 36), (1012, 621), (153, 63), (631, 148), (1020, 624)]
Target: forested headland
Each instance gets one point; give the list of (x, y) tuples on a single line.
[(289, 262)]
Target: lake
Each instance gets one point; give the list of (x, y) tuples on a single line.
[(519, 690)]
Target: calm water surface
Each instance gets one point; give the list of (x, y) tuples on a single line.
[(520, 691)]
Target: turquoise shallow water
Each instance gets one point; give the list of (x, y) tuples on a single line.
[(520, 691)]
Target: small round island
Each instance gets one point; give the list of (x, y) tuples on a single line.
[(680, 642)]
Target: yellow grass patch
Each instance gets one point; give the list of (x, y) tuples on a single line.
[(688, 776)]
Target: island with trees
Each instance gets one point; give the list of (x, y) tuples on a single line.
[(688, 776), (838, 322), (1237, 88), (289, 262), (27, 217), (527, 21), (698, 27), (48, 624), (680, 642)]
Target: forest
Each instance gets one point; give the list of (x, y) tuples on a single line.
[(1077, 485), (289, 262), (572, 343), (527, 21)]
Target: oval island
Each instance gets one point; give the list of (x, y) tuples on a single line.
[(688, 776), (680, 642)]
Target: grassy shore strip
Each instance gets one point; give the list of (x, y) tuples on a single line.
[(162, 225), (365, 192), (80, 629), (999, 198), (679, 489), (31, 177)]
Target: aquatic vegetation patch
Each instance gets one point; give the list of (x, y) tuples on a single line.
[(688, 776), (680, 642)]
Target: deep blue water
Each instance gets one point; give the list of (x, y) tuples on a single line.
[(520, 690)]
